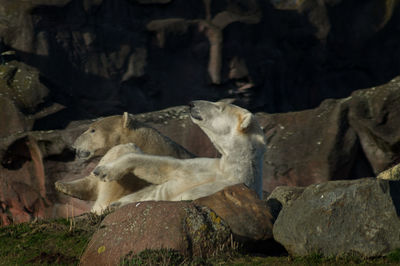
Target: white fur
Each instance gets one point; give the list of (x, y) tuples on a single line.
[(233, 131), (104, 137)]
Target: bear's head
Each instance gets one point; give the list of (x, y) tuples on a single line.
[(101, 136), (228, 126)]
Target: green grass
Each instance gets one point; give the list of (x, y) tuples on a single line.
[(62, 242), (45, 243), (168, 257), (394, 256)]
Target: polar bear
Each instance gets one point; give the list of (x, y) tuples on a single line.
[(110, 131), (233, 131), (100, 139)]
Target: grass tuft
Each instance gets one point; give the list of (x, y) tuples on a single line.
[(394, 256)]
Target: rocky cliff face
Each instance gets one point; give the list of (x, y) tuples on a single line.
[(100, 57)]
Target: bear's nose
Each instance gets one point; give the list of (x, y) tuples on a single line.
[(191, 104)]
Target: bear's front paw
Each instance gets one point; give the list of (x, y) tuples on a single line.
[(105, 173)]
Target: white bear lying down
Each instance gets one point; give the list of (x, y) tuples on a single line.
[(102, 138), (236, 135)]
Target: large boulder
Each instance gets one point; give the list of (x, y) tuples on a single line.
[(247, 216), (308, 147), (341, 218), (180, 226), (31, 162), (202, 227), (375, 116), (282, 196), (21, 96), (21, 84)]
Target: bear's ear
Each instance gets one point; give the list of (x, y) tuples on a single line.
[(126, 120), (245, 121)]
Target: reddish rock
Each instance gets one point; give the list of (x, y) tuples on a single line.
[(247, 216), (30, 164), (179, 226), (309, 146)]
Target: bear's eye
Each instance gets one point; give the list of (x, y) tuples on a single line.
[(92, 130)]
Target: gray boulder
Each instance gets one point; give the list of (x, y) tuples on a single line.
[(375, 116), (282, 196), (342, 217)]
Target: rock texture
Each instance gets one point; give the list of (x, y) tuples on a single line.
[(342, 217), (200, 228), (102, 57), (282, 196), (30, 164), (246, 215), (180, 226), (308, 147), (375, 117), (348, 138), (22, 95)]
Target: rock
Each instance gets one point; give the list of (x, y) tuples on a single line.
[(282, 196), (342, 218), (375, 116), (30, 164), (21, 94), (101, 58), (317, 12), (11, 119), (392, 173), (246, 215), (179, 226), (20, 83), (308, 147)]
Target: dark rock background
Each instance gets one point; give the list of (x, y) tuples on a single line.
[(66, 62), (101, 57)]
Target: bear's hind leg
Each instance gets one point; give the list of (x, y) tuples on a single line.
[(84, 188)]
